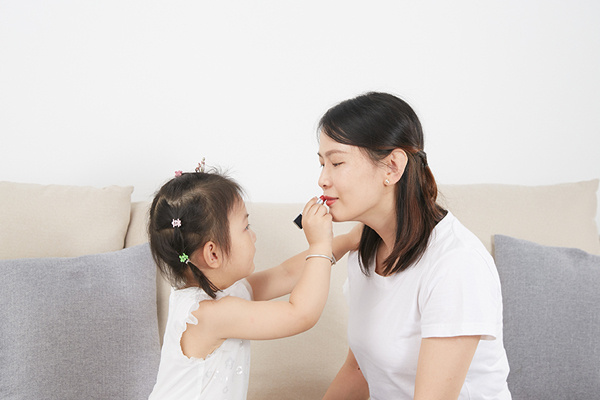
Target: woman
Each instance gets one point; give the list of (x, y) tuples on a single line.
[(425, 306)]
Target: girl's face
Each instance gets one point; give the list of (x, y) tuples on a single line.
[(352, 184), (240, 262)]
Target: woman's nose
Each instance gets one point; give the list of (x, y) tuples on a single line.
[(324, 180)]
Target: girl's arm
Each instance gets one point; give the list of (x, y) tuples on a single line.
[(349, 383), (233, 317), (443, 365), (280, 280)]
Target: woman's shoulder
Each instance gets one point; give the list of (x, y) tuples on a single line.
[(451, 239), (454, 248)]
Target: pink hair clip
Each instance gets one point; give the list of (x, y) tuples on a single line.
[(176, 223), (178, 173)]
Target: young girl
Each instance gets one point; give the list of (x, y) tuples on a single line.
[(425, 305), (202, 242)]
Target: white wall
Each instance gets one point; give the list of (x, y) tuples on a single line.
[(127, 91)]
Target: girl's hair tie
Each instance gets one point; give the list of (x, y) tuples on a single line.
[(184, 258), (176, 223)]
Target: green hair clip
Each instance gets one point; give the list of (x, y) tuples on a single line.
[(184, 258)]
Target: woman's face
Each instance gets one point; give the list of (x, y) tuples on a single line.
[(353, 185)]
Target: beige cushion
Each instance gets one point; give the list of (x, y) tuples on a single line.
[(138, 224), (556, 215), (62, 221)]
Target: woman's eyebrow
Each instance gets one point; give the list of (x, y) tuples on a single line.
[(330, 152)]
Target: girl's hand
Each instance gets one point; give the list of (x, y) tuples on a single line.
[(317, 224)]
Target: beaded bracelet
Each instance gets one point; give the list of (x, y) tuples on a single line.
[(332, 258)]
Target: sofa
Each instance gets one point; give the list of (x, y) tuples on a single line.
[(83, 309)]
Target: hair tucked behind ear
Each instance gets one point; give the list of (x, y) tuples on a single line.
[(201, 202), (379, 123)]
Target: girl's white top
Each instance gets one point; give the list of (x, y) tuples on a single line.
[(453, 290), (222, 375)]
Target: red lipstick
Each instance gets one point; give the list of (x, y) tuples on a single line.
[(298, 219)]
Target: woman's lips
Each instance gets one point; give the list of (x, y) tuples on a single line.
[(329, 200)]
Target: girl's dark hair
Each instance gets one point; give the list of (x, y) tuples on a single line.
[(378, 123), (202, 202)]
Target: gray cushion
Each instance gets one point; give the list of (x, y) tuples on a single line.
[(79, 328), (551, 319)]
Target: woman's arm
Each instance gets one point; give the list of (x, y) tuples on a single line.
[(443, 365), (280, 280), (349, 383)]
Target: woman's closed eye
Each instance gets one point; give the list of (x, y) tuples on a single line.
[(334, 164)]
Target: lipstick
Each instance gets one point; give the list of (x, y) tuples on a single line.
[(298, 220)]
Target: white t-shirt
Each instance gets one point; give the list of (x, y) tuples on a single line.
[(453, 290), (221, 375)]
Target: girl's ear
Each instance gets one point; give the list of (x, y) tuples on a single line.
[(213, 257), (396, 162)]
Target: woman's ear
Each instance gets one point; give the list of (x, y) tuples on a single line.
[(213, 257), (396, 162)]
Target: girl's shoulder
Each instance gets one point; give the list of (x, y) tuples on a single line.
[(241, 290)]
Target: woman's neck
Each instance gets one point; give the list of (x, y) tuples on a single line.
[(383, 222)]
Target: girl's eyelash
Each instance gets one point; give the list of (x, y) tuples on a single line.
[(247, 226)]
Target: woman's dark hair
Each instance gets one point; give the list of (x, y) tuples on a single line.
[(379, 123), (201, 201)]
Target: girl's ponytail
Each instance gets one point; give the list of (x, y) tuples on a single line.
[(204, 283)]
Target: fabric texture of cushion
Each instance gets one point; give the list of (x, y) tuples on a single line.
[(62, 221), (137, 233), (551, 319), (79, 328), (553, 215)]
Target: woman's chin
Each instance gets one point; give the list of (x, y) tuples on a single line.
[(336, 217)]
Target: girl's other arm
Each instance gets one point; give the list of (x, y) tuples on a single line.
[(349, 383), (443, 365), (280, 280)]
